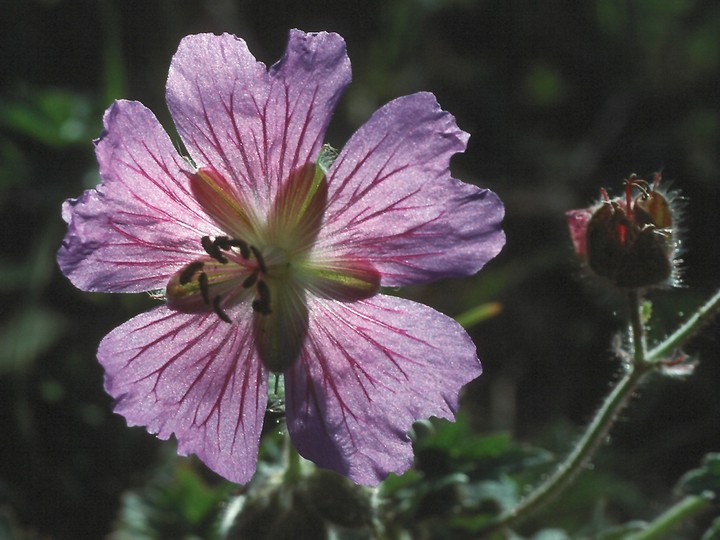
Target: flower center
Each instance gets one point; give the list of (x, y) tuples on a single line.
[(268, 261), (231, 268)]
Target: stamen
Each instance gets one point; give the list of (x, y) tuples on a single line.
[(250, 280), (225, 243), (260, 260), (634, 182), (211, 248), (242, 246), (190, 270), (262, 303), (628, 195), (218, 310), (204, 287)]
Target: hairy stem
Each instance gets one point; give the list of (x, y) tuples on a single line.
[(703, 315), (685, 509), (637, 328), (641, 364), (596, 431), (583, 451)]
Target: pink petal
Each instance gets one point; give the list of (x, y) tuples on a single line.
[(577, 221), (369, 370), (392, 200), (193, 376), (253, 126), (141, 224)]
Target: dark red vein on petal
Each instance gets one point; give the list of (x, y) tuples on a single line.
[(250, 181)]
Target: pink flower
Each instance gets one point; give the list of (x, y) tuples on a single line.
[(271, 256)]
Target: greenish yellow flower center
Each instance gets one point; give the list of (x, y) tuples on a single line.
[(269, 263)]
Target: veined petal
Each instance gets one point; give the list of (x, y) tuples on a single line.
[(391, 198), (222, 203), (369, 369), (346, 279), (141, 224), (216, 92), (193, 376), (307, 83), (297, 211), (253, 126)]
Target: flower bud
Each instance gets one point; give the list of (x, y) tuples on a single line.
[(631, 241)]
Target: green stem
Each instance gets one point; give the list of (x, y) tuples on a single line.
[(685, 509), (686, 331), (595, 432), (642, 363), (637, 328), (572, 466), (293, 471)]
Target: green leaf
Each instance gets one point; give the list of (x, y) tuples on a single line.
[(495, 451), (26, 335), (56, 118), (502, 494), (175, 503), (337, 500), (705, 479)]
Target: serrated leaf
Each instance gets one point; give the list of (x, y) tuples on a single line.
[(461, 445), (503, 492), (458, 439)]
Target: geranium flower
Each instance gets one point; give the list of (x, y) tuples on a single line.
[(271, 256)]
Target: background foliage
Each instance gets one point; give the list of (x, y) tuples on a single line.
[(560, 98)]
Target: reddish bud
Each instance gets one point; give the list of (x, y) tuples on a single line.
[(632, 240)]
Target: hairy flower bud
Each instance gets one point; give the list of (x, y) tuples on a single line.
[(631, 241)]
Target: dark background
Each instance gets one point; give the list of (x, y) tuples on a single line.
[(560, 98)]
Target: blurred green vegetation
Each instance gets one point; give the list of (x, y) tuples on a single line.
[(560, 98)]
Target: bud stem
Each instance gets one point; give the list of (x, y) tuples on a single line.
[(687, 330), (637, 327), (642, 363), (586, 446)]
